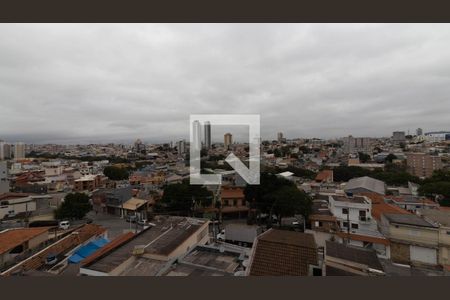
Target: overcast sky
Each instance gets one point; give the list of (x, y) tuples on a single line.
[(99, 83)]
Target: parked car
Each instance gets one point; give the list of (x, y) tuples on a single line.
[(64, 225), (142, 222), (51, 259)]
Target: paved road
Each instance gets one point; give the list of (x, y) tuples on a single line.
[(114, 224)]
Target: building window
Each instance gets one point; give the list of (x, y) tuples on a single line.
[(354, 226), (345, 211), (345, 224)]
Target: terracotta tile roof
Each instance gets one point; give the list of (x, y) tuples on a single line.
[(234, 192), (324, 175), (12, 238), (283, 253), (117, 242), (380, 207)]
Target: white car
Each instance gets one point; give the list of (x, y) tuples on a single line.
[(221, 236), (64, 225)]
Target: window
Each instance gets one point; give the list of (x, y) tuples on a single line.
[(345, 224), (345, 211), (362, 213), (354, 226)]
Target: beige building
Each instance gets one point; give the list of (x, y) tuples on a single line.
[(19, 151), (227, 140), (422, 165), (413, 239)]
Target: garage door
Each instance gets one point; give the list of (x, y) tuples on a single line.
[(423, 255)]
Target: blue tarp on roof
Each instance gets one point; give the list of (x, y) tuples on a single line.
[(87, 250), (74, 259)]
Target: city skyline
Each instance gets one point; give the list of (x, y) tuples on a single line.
[(76, 83)]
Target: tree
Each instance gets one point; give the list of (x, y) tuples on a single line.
[(363, 157), (116, 173), (390, 158), (182, 197), (75, 206), (277, 196), (441, 189)]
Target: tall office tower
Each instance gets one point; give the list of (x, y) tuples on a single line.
[(19, 151), (398, 136), (139, 147), (196, 136), (419, 131), (280, 137), (227, 140), (207, 135), (4, 183), (422, 165), (181, 147)]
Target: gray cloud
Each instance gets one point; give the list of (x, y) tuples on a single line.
[(91, 82)]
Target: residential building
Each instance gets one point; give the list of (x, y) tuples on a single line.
[(365, 185), (207, 127), (227, 140), (347, 260), (280, 137), (16, 243), (398, 136), (357, 144), (151, 251), (4, 182), (196, 136), (441, 218), (324, 176), (5, 151), (19, 151), (88, 183), (419, 131), (283, 253), (422, 165), (16, 205), (233, 201), (181, 147), (353, 213), (413, 240)]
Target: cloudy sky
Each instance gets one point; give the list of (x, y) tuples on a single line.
[(99, 83)]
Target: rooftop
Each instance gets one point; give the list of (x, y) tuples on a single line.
[(353, 254), (368, 183), (354, 199), (283, 253), (12, 238), (161, 239), (408, 219), (441, 217)]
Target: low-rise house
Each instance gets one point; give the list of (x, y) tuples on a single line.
[(15, 205), (325, 176), (365, 184), (283, 253), (88, 183), (15, 243), (233, 201), (151, 251), (347, 260), (413, 240), (440, 218)]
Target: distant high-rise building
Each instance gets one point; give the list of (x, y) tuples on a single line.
[(419, 131), (398, 136), (357, 144), (4, 183), (5, 151), (181, 147), (280, 137), (227, 140), (139, 147), (207, 135), (19, 151), (422, 165), (196, 136)]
